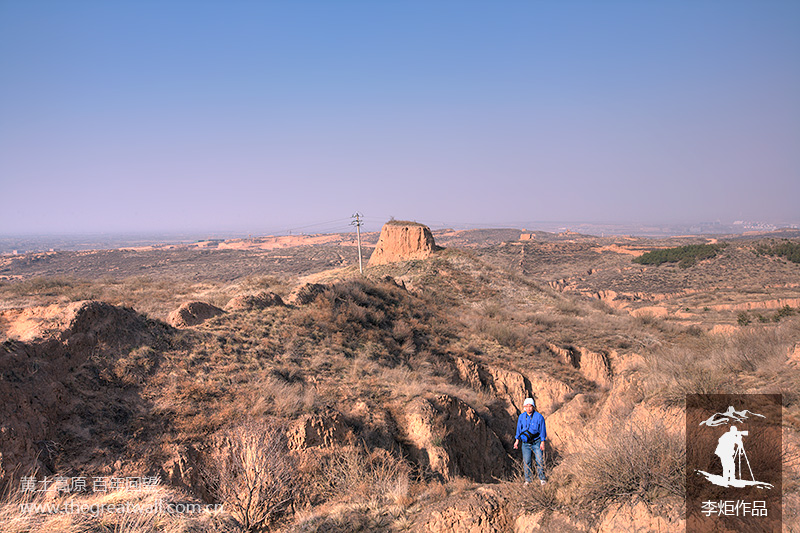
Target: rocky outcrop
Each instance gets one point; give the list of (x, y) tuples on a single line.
[(254, 302), (192, 314), (83, 320), (424, 434), (317, 430), (512, 387), (184, 469), (563, 353), (509, 386), (402, 241), (564, 427), (794, 354), (610, 297), (448, 436), (38, 385), (548, 522), (88, 323), (723, 329), (621, 399), (638, 517), (482, 511), (548, 392), (593, 365), (469, 372), (476, 451)]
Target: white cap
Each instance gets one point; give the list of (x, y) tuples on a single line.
[(528, 401)]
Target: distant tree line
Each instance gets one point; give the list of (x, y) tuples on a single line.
[(787, 249), (685, 256)]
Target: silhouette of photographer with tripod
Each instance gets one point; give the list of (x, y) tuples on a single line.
[(729, 448)]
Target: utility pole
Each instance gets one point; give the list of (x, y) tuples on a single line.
[(357, 223)]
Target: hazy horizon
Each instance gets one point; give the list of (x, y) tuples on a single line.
[(212, 117)]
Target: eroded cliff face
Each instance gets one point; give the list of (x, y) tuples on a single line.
[(450, 438), (402, 241), (70, 387)]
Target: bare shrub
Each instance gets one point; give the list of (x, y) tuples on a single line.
[(505, 335), (253, 473), (632, 459)]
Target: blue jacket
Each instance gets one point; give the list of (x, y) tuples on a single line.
[(533, 423)]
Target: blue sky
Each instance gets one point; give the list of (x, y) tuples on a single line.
[(260, 116)]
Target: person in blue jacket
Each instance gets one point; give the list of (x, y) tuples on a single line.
[(531, 432)]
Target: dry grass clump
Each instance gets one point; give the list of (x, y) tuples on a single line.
[(758, 349), (673, 372), (569, 307), (134, 368), (393, 222), (252, 472), (348, 518), (505, 333), (156, 510), (253, 284), (356, 473), (279, 397), (355, 313), (751, 359), (550, 497), (362, 489), (629, 459)]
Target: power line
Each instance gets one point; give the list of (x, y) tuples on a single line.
[(357, 223), (340, 223)]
